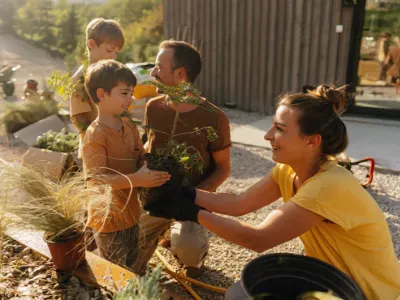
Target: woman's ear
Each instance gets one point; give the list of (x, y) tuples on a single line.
[(91, 43), (315, 140), (100, 94)]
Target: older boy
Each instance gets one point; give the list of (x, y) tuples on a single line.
[(104, 39), (112, 152)]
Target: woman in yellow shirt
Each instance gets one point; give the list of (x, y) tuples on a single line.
[(324, 204)]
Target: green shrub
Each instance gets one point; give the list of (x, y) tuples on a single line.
[(18, 116), (58, 141)]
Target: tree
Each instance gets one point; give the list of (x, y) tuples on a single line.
[(144, 36), (35, 22), (68, 30)]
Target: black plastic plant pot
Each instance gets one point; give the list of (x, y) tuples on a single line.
[(168, 190), (288, 276)]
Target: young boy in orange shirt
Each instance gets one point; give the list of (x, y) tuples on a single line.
[(112, 156), (104, 39)]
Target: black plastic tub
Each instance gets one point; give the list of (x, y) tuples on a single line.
[(288, 276)]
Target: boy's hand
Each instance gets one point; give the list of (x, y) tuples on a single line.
[(149, 178)]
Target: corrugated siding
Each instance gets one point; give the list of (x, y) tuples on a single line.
[(254, 50)]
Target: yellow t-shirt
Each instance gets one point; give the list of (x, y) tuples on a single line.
[(355, 237)]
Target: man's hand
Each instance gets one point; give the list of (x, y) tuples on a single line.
[(149, 178)]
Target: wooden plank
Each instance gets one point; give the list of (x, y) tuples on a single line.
[(215, 77), (247, 52), (299, 13), (289, 46), (200, 30), (272, 40), (239, 87), (263, 56), (173, 18), (182, 16), (166, 17), (344, 45), (255, 64), (241, 45), (219, 87), (207, 48), (309, 43), (334, 41), (280, 52), (227, 51), (325, 38), (233, 61), (189, 20), (96, 271)]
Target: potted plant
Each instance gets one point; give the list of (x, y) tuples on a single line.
[(178, 159), (56, 208)]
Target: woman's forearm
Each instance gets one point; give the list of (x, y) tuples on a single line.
[(227, 204), (237, 232)]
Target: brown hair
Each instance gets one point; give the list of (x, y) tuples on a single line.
[(320, 110), (105, 31), (106, 74), (185, 56)]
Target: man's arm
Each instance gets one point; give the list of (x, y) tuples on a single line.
[(222, 171), (387, 60), (81, 121)]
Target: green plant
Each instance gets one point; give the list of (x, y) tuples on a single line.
[(63, 84), (142, 288), (18, 116), (55, 207), (186, 156), (59, 142)]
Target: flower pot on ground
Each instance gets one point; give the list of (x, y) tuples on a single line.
[(57, 208), (290, 276), (68, 249)]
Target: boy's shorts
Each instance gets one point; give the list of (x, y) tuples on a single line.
[(119, 247)]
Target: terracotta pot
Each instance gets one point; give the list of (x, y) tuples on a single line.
[(68, 254)]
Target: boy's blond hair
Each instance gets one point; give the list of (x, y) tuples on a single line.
[(105, 31), (106, 74)]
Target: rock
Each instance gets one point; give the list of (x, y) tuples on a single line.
[(27, 258), (8, 254), (18, 248), (83, 294), (5, 259), (27, 251), (9, 248), (42, 282)]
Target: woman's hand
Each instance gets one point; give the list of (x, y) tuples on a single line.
[(149, 178), (182, 208)]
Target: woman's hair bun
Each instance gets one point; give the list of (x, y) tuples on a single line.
[(336, 96)]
